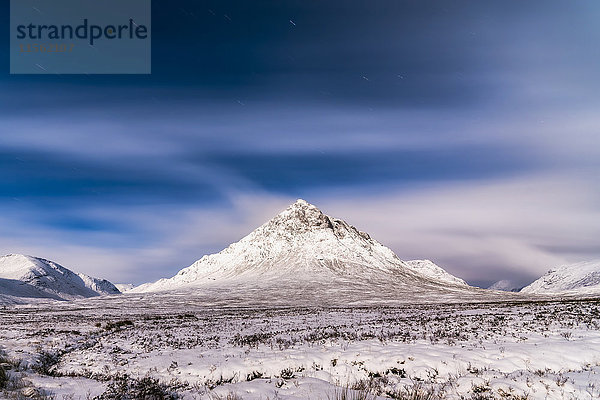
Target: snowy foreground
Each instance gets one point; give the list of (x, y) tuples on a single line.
[(117, 348)]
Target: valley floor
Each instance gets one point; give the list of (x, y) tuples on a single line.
[(501, 350)]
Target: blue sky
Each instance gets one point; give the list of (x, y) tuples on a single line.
[(464, 132)]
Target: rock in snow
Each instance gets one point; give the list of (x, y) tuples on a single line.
[(301, 246), (583, 277), (31, 277)]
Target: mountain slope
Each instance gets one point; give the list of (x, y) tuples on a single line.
[(303, 248), (31, 277), (432, 270), (583, 277)]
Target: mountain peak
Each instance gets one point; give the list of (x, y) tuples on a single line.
[(299, 217), (301, 203), (301, 206), (13, 264), (301, 247)]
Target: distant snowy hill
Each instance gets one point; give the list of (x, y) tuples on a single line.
[(303, 248), (124, 287), (583, 277), (505, 286), (35, 278)]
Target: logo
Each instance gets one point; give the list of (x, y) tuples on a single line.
[(80, 37)]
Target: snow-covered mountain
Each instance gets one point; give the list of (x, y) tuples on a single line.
[(505, 286), (583, 277), (31, 277), (303, 248)]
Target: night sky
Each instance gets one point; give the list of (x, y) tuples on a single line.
[(466, 132)]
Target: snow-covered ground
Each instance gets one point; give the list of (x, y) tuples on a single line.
[(184, 347)]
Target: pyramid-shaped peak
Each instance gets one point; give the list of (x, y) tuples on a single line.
[(301, 203), (302, 208), (303, 246), (300, 216)]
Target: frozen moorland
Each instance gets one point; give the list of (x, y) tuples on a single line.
[(166, 346)]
